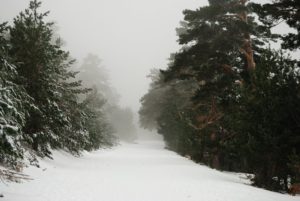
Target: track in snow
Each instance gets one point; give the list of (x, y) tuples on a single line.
[(132, 172)]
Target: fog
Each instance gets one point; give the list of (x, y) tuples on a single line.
[(130, 37)]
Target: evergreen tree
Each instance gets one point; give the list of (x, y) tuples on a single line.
[(40, 107), (94, 75), (288, 11), (167, 108), (244, 97), (99, 129), (266, 127), (13, 107), (68, 120), (152, 102), (220, 43), (44, 67)]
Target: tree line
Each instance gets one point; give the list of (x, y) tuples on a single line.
[(227, 99), (44, 105)]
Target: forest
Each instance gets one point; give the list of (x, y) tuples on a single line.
[(49, 103), (229, 99)]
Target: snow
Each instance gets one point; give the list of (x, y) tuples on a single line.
[(144, 171)]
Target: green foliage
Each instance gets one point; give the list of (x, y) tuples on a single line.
[(13, 102), (152, 102), (99, 130), (44, 67), (40, 107), (266, 123), (174, 121), (278, 11), (242, 111), (218, 43), (168, 108), (33, 50)]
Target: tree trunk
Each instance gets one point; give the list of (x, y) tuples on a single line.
[(246, 49)]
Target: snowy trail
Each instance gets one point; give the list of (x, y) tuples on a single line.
[(132, 172)]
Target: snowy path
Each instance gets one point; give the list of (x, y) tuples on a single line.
[(132, 172)]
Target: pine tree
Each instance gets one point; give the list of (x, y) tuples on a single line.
[(68, 120), (14, 103), (220, 43), (44, 67), (245, 103), (167, 108), (96, 123), (266, 126), (152, 102), (272, 14), (94, 75)]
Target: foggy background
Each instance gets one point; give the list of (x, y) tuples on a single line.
[(129, 36)]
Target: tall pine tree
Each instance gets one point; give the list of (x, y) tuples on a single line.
[(14, 103), (44, 68), (220, 43)]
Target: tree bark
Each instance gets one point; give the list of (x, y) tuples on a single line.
[(247, 49)]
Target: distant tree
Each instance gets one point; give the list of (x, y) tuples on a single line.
[(151, 103), (93, 74), (167, 108), (99, 129), (123, 123)]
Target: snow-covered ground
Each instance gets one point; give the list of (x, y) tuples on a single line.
[(144, 171)]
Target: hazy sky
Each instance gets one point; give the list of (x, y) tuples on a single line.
[(130, 36)]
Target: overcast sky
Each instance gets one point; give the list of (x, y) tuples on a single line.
[(130, 36)]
